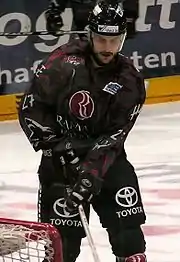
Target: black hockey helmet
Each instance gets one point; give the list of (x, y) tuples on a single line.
[(107, 18)]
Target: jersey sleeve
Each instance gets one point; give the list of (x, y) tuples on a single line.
[(123, 115), (37, 109)]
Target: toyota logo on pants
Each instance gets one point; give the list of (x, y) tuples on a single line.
[(126, 197), (59, 207)]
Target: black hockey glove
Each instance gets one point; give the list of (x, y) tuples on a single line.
[(70, 149), (66, 154), (131, 11), (83, 191), (54, 20), (131, 27)]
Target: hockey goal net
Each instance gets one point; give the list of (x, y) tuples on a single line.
[(29, 242)]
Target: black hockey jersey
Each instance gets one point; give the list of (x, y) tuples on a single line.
[(70, 98)]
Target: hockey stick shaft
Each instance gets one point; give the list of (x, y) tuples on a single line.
[(59, 33), (88, 234)]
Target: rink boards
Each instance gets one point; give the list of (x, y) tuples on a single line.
[(154, 50)]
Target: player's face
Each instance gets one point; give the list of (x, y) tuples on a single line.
[(105, 47)]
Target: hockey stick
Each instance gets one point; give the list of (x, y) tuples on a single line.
[(59, 33), (88, 233), (83, 218)]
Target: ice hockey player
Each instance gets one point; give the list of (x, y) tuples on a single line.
[(81, 10), (82, 103)]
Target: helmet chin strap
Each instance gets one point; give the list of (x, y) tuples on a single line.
[(123, 37)]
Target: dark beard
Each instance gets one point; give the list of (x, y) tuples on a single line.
[(98, 61)]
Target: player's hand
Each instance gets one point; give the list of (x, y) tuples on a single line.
[(54, 20), (131, 11), (65, 151), (131, 27), (83, 191), (131, 22)]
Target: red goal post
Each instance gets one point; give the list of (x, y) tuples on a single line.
[(29, 241)]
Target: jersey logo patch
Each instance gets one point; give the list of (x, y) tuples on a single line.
[(112, 88), (74, 60), (81, 105)]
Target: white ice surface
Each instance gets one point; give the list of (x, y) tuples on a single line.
[(153, 147)]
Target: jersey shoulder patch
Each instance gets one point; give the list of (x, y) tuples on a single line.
[(112, 88)]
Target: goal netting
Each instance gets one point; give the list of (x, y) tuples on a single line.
[(29, 242)]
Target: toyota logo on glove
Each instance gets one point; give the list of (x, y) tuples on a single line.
[(126, 197)]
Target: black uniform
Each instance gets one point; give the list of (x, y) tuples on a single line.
[(94, 108), (81, 10)]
